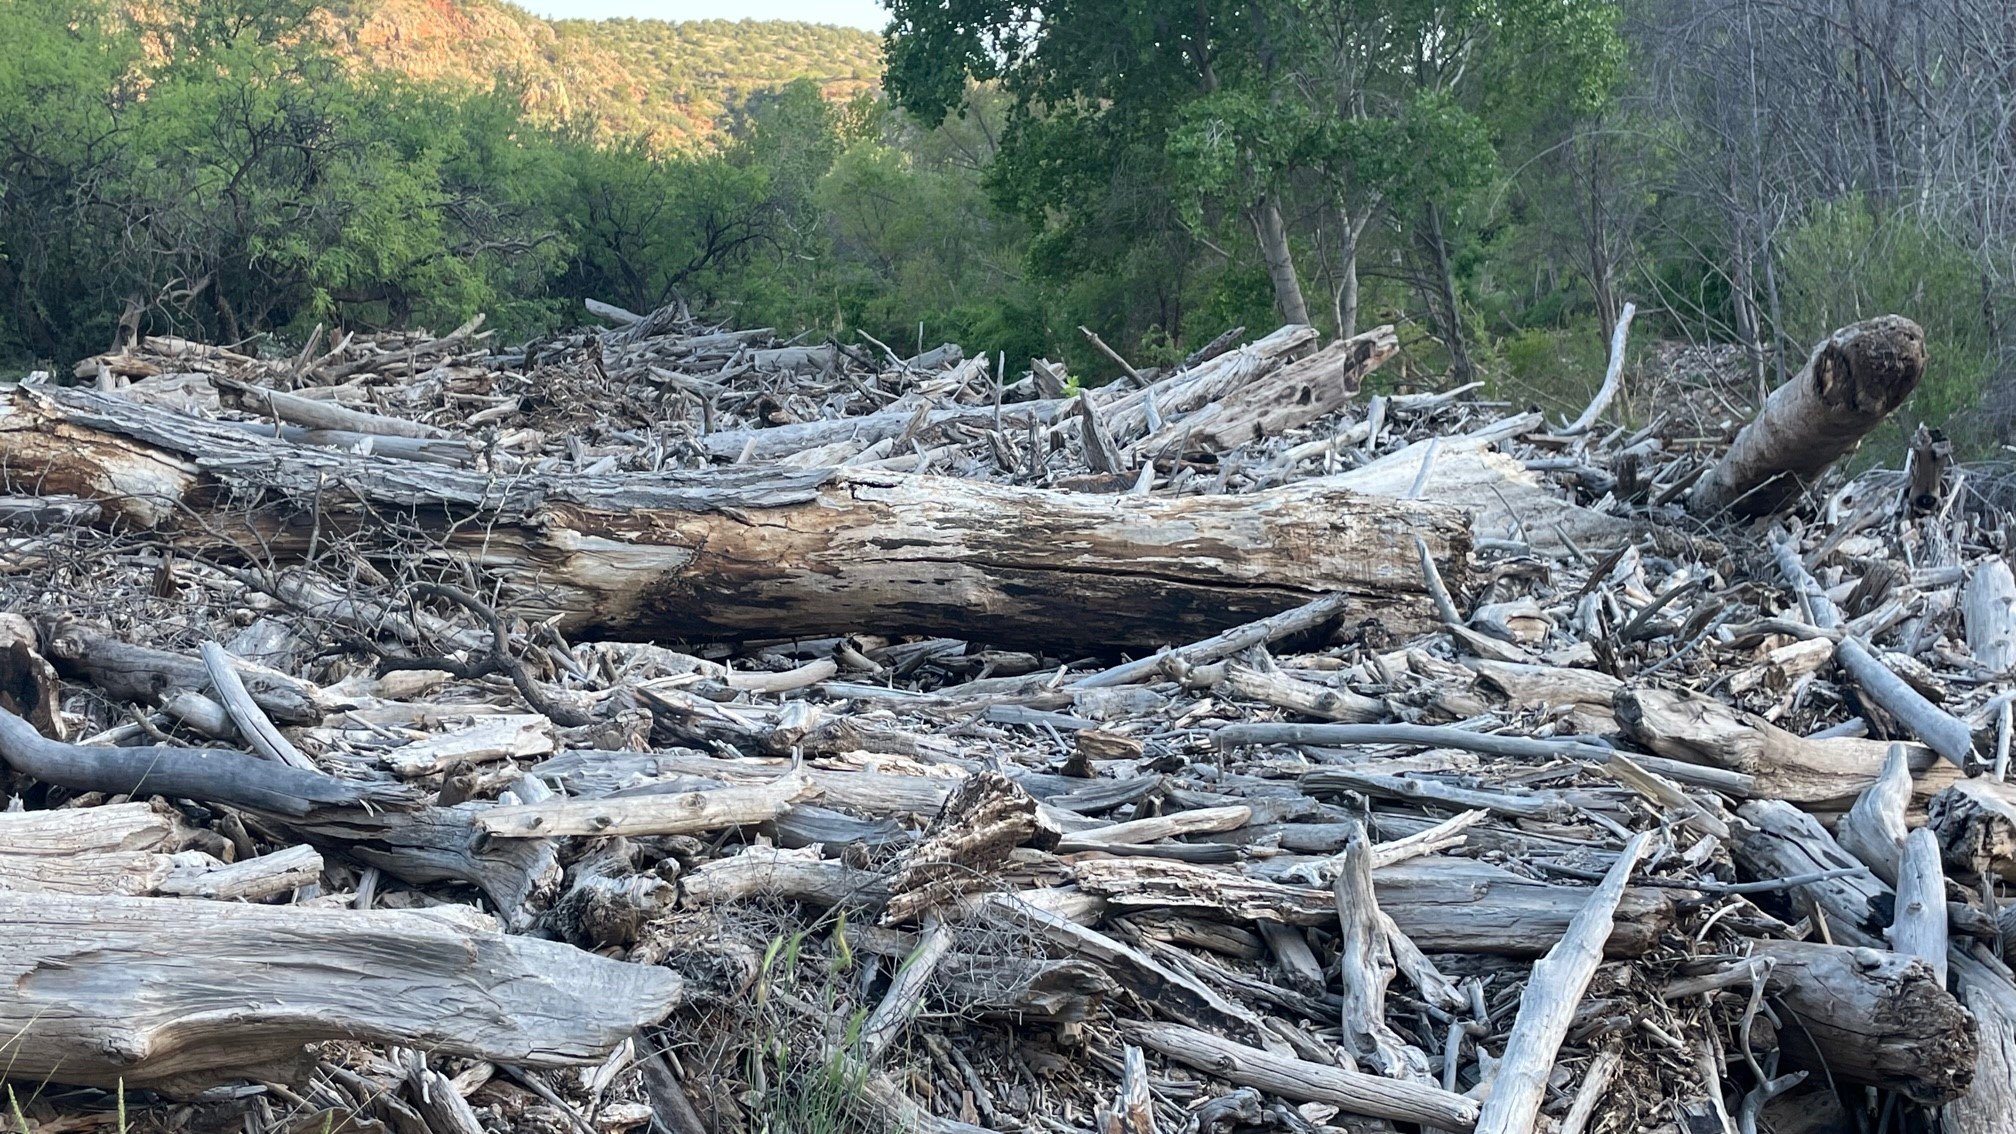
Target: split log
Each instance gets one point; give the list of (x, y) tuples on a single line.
[(730, 552), (1442, 905), (104, 991), (1873, 1018), (1854, 379), (120, 849)]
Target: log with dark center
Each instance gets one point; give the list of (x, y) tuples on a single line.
[(771, 551), (1854, 379)]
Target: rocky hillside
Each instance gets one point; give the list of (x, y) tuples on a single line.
[(671, 81)]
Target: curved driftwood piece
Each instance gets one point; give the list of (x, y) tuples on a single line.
[(1304, 1081), (1853, 380), (209, 775), (103, 991), (1874, 829), (729, 552), (1870, 1017)]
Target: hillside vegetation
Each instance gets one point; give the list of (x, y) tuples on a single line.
[(672, 82), (1495, 177)]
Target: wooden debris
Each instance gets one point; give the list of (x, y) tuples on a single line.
[(758, 723)]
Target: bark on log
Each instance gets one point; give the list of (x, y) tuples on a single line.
[(729, 552), (1874, 1018), (100, 991), (1854, 379)]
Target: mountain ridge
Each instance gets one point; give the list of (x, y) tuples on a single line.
[(670, 82)]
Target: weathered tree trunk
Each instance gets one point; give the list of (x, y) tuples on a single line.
[(1871, 1017), (1854, 379), (773, 551), (103, 991)]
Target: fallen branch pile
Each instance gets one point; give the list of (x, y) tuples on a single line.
[(667, 725)]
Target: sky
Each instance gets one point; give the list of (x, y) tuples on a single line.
[(867, 14)]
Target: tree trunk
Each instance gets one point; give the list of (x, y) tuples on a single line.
[(1854, 379), (1280, 261), (1448, 305), (731, 552), (1349, 230)]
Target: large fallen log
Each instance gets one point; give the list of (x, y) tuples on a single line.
[(1854, 379), (772, 551), (104, 991), (1871, 1017)]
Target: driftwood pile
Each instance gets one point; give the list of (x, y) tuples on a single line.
[(668, 727)]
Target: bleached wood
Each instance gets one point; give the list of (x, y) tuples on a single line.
[(1444, 905), (676, 814), (1304, 697), (1874, 829), (1305, 1081), (771, 550), (1547, 1005), (1988, 608), (1920, 926), (1852, 381), (487, 738), (104, 990), (1366, 966)]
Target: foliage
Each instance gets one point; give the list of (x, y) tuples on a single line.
[(673, 83), (1496, 176)]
